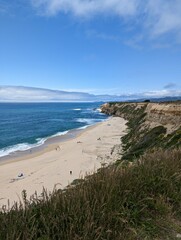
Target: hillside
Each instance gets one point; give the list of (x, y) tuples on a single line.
[(149, 125), (133, 201), (167, 114)]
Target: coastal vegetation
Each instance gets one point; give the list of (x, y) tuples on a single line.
[(146, 128), (141, 201), (139, 197)]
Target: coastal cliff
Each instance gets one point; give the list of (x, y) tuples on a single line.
[(165, 114), (150, 125), (124, 200)]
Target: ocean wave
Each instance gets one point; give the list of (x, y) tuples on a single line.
[(93, 110), (77, 109), (88, 110), (89, 121), (58, 134), (98, 110), (21, 147), (84, 127)]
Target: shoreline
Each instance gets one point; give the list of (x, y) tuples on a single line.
[(70, 134), (49, 145), (45, 146), (61, 160)]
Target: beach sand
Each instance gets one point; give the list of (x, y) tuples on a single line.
[(60, 163)]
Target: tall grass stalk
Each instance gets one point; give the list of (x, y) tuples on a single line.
[(142, 201)]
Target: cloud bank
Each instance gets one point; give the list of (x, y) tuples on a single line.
[(28, 94), (156, 17)]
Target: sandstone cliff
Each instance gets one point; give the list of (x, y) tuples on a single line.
[(150, 125), (165, 114)]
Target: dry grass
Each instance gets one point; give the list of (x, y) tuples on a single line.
[(138, 202)]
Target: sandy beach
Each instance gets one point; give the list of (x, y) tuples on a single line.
[(60, 163)]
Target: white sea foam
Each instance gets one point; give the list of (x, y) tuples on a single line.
[(27, 146), (86, 120), (77, 109), (98, 110), (89, 121), (59, 134), (40, 141), (19, 147), (84, 127), (93, 110)]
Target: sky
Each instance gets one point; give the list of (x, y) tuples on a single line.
[(112, 47)]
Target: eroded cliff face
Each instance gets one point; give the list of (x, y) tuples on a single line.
[(156, 114), (166, 114), (150, 125)]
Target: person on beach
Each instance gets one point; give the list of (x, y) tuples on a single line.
[(20, 175)]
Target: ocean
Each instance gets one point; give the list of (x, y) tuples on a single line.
[(27, 125)]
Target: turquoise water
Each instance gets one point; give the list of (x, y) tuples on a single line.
[(26, 125)]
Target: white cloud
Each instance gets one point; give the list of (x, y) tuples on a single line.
[(162, 93), (87, 7), (164, 16), (154, 17)]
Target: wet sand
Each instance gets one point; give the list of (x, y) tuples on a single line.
[(60, 160)]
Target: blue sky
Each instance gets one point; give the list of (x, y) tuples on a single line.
[(100, 47)]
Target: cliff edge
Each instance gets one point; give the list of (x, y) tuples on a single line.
[(150, 125)]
